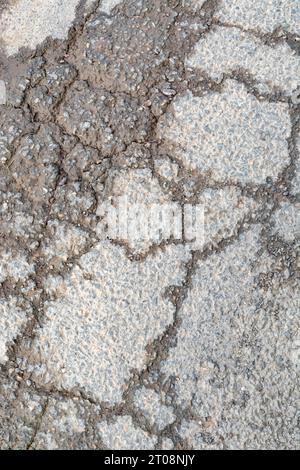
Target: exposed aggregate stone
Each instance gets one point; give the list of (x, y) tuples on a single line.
[(119, 344), (235, 145)]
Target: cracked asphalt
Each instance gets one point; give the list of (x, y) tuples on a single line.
[(106, 343)]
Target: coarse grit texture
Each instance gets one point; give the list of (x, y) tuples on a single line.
[(117, 332)]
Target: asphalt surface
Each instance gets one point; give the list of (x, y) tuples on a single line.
[(185, 335)]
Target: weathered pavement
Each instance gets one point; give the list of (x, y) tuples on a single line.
[(113, 344)]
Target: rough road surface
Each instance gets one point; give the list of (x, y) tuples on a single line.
[(119, 343)]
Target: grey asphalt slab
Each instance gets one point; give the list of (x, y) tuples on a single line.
[(149, 224)]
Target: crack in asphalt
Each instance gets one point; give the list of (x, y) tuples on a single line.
[(272, 195)]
